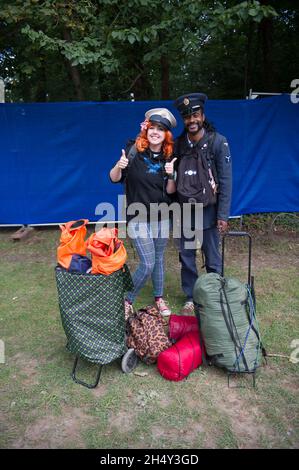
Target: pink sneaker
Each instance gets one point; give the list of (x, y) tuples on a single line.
[(162, 307)]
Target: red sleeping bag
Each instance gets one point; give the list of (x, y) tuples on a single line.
[(178, 361), (179, 325)]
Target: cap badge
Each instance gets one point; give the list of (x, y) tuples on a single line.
[(186, 101)]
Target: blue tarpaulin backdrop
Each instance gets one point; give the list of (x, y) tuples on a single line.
[(55, 157)]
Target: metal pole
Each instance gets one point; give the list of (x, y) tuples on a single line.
[(265, 93)]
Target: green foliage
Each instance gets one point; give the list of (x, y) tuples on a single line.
[(117, 46)]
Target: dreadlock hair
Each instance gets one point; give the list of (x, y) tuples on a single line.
[(209, 126), (142, 142)]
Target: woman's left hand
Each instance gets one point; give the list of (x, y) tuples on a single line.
[(169, 167)]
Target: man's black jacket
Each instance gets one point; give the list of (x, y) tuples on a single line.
[(223, 167)]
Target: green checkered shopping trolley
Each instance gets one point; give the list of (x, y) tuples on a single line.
[(92, 314)]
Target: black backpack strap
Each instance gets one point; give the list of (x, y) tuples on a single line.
[(178, 147), (232, 329), (211, 155), (247, 308), (228, 325), (131, 154)]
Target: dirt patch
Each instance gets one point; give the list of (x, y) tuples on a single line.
[(291, 385), (188, 435), (28, 369), (54, 432), (123, 421), (266, 260), (100, 391), (245, 421), (160, 432), (165, 401), (230, 410)]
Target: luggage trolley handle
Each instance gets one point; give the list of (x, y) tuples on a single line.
[(239, 234)]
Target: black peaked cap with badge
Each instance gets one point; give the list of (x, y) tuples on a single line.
[(191, 103)]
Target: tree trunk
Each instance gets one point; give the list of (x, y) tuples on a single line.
[(74, 71), (248, 67), (41, 92), (142, 88), (266, 34)]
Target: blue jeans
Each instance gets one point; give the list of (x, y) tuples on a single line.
[(213, 262), (149, 240)]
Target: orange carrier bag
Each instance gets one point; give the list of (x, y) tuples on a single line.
[(71, 241), (108, 252)]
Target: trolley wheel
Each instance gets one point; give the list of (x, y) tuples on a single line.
[(129, 361)]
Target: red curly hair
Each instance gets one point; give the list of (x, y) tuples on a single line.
[(142, 142)]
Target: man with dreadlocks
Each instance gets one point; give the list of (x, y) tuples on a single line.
[(204, 175)]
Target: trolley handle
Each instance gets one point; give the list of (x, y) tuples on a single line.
[(238, 234)]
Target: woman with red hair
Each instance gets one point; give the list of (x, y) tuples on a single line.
[(149, 179)]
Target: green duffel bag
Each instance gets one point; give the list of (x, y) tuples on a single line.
[(226, 313)]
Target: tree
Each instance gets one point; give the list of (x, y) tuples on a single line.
[(107, 49)]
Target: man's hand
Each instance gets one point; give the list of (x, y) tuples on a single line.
[(222, 226)]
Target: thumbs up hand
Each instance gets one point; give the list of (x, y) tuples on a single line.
[(169, 167), (123, 161)]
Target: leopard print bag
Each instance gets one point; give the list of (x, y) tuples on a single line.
[(146, 334)]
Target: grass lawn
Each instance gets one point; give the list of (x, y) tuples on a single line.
[(41, 406)]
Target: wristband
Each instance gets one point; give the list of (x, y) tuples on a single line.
[(171, 176)]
